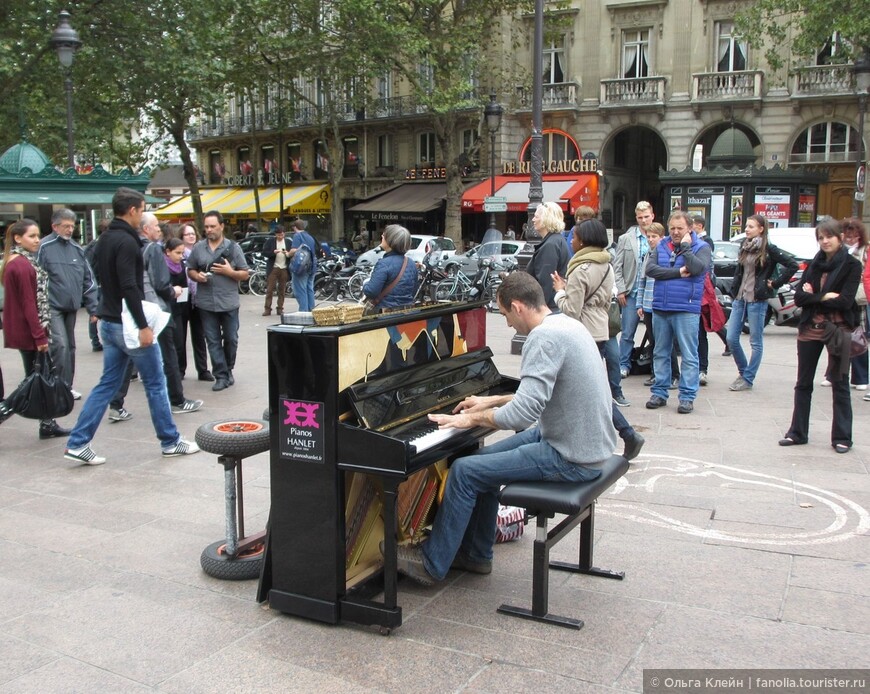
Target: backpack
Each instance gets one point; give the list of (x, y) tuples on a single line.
[(302, 260)]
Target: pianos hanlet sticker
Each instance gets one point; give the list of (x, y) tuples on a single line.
[(300, 430)]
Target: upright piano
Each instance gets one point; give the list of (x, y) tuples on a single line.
[(353, 400)]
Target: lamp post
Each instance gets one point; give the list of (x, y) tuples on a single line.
[(65, 40), (493, 113), (861, 69), (536, 144)]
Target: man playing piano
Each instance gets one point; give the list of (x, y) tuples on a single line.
[(562, 404)]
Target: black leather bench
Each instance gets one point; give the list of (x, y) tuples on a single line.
[(577, 501)]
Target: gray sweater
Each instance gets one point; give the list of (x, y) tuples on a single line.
[(564, 388)]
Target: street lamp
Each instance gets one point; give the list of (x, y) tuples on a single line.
[(493, 113), (861, 68), (65, 40)]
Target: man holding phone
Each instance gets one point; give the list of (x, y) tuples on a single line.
[(275, 250), (217, 264)]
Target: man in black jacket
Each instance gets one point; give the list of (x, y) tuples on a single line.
[(119, 265)]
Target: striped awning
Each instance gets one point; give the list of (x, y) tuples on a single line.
[(232, 202)]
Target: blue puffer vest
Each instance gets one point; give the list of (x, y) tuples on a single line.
[(678, 294)]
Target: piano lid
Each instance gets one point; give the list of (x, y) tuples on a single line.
[(388, 401)]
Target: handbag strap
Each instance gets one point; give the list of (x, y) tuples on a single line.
[(392, 284), (601, 283)]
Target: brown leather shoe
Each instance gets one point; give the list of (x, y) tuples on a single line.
[(267, 312)]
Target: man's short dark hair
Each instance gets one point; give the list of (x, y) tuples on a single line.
[(126, 199), (300, 225), (592, 233), (214, 213), (699, 219), (522, 287), (279, 229)]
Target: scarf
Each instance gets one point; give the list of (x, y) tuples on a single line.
[(174, 268), (42, 309), (590, 254), (750, 250)]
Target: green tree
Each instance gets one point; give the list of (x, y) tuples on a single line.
[(805, 26)]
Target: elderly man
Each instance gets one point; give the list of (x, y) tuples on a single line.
[(217, 264), (678, 266), (631, 252), (71, 285), (560, 369)]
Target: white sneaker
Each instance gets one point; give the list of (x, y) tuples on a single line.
[(825, 382), (860, 386), (119, 415), (76, 395), (181, 448), (623, 373), (187, 406), (84, 455)]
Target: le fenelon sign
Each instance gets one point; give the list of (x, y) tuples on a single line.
[(564, 166)]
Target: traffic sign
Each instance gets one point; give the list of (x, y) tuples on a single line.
[(494, 199), (495, 207)]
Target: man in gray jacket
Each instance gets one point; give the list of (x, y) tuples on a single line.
[(71, 285), (631, 252), (561, 368)]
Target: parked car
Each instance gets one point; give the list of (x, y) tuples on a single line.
[(799, 241), (420, 246), (725, 263), (253, 243), (496, 251)]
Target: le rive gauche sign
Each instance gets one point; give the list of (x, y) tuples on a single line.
[(552, 167)]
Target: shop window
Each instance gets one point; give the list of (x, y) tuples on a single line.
[(426, 148), (243, 156), (828, 142), (294, 160), (217, 171), (321, 159), (731, 50), (635, 53), (269, 159)]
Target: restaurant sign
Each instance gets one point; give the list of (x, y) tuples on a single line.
[(552, 167)]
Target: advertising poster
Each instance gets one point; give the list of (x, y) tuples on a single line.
[(736, 223), (300, 430), (807, 208), (775, 206)]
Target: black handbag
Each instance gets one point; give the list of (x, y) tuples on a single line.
[(43, 394)]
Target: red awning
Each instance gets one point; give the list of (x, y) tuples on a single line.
[(570, 191)]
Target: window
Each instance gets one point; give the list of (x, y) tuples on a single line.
[(554, 59), (469, 153), (269, 159), (242, 111), (826, 142), (294, 160), (556, 146), (426, 148), (385, 86), (243, 154), (321, 159), (427, 76), (351, 155), (635, 53), (832, 52), (731, 50), (385, 151), (216, 170)]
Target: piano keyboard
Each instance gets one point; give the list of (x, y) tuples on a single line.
[(426, 434)]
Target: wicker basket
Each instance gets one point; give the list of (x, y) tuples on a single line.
[(338, 314)]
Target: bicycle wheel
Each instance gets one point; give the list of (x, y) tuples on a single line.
[(448, 290), (257, 283), (355, 285)]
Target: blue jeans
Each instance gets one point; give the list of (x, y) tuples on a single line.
[(756, 311), (467, 516), (630, 319), (609, 350), (668, 325), (303, 290), (221, 330), (116, 356)]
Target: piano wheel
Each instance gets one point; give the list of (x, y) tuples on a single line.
[(385, 631), (246, 566), (234, 437)]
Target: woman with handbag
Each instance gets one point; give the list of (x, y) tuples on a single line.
[(26, 315), (761, 269), (855, 238), (551, 254), (829, 314), (393, 283), (586, 295)]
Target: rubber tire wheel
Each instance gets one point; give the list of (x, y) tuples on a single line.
[(235, 437), (218, 565)]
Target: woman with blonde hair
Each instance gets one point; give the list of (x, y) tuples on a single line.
[(551, 254), (27, 314)]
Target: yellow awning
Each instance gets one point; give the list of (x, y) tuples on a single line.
[(231, 202)]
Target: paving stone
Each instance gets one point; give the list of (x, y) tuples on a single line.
[(71, 675)]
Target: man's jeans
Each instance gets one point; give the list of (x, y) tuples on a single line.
[(630, 319), (222, 337), (756, 311), (467, 516), (303, 290), (63, 344), (116, 356), (683, 326)]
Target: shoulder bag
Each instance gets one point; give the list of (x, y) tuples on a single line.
[(43, 394), (371, 305)]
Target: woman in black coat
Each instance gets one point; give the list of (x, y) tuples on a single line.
[(829, 313)]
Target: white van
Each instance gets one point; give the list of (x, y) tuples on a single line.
[(799, 241)]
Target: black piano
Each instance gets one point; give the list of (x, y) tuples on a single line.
[(353, 400)]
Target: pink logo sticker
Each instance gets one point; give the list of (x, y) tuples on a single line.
[(301, 414)]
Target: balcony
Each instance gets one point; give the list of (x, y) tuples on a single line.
[(634, 92), (557, 96), (727, 88), (823, 81)]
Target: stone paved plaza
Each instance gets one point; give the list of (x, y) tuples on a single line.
[(737, 553)]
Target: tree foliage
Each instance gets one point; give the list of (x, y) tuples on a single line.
[(805, 26)]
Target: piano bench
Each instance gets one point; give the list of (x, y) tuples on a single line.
[(577, 501)]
